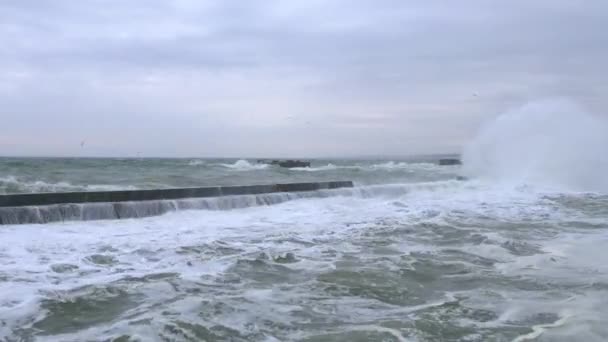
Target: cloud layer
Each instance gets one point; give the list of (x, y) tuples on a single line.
[(278, 78)]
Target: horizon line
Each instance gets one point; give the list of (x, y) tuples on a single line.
[(368, 156)]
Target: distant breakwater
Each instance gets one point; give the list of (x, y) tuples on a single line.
[(100, 205)]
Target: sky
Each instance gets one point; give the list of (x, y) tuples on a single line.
[(306, 78)]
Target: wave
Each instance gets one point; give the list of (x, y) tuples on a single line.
[(549, 144), (328, 167), (244, 165), (387, 166), (12, 184), (391, 165), (196, 162)]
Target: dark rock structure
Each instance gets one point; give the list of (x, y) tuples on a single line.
[(449, 161), (286, 163)]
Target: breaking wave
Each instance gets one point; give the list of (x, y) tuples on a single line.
[(387, 166), (244, 165), (328, 167), (549, 144)]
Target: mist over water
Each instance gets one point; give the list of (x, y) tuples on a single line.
[(551, 144)]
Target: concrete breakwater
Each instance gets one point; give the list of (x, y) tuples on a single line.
[(69, 206)]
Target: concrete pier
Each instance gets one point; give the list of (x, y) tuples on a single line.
[(66, 206)]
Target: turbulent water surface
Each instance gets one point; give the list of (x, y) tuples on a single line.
[(514, 253), (20, 175), (412, 254)]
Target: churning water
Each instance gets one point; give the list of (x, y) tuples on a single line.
[(515, 253)]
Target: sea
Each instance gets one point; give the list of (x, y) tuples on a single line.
[(510, 246)]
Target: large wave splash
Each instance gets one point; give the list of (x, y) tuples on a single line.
[(551, 144)]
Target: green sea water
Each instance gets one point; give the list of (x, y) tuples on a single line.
[(412, 254)]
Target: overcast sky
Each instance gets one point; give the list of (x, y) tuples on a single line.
[(285, 78)]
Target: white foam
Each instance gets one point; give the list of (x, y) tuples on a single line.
[(317, 223), (244, 165), (391, 165), (328, 167), (576, 261), (313, 218), (387, 166)]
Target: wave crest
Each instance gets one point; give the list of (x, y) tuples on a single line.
[(196, 162), (244, 165), (550, 144), (12, 184), (387, 166)]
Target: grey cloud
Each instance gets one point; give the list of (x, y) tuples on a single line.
[(362, 77)]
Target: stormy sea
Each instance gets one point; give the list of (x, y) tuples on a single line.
[(510, 246)]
